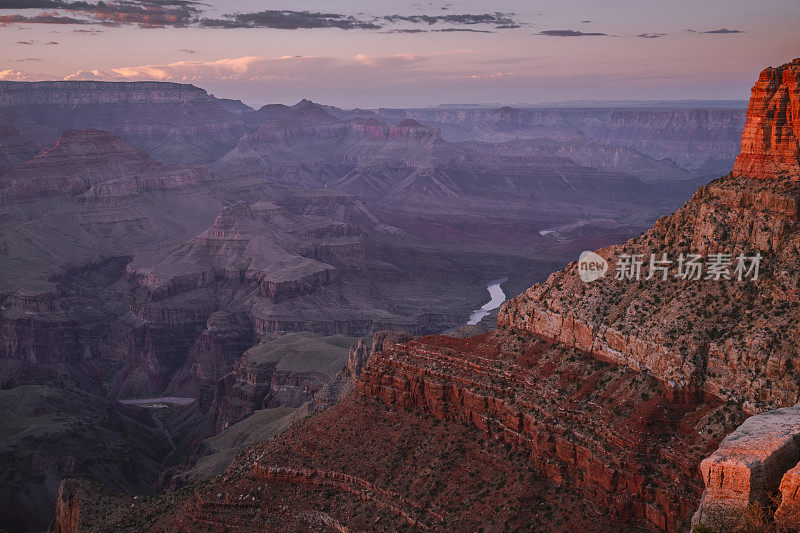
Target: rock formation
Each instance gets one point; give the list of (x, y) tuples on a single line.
[(287, 371), (770, 141), (175, 123), (788, 512), (95, 164), (15, 148), (750, 465), (703, 140), (357, 359), (694, 335)]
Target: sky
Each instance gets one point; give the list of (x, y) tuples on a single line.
[(407, 54)]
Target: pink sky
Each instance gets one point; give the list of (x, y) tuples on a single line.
[(527, 59)]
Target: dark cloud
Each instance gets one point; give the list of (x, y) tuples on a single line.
[(187, 51), (651, 35), (723, 30), (289, 20), (51, 42), (41, 18), (585, 21), (406, 30), (569, 33), (183, 13), (464, 29), (485, 18), (719, 31), (145, 13), (43, 4), (25, 42)]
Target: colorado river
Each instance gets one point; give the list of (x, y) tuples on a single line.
[(161, 401), (497, 298)]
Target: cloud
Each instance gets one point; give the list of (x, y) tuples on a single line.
[(406, 30), (42, 4), (51, 42), (83, 75), (723, 30), (12, 75), (485, 18), (25, 42), (145, 13), (719, 31), (184, 13), (569, 33), (464, 29), (651, 35), (187, 51), (364, 67), (288, 20), (41, 18)]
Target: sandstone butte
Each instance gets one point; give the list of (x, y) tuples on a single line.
[(771, 136), (592, 407)]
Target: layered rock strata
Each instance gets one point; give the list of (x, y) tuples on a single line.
[(609, 431), (770, 141)]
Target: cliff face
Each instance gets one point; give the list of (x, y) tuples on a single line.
[(15, 148), (286, 371), (176, 123), (611, 433), (96, 164), (771, 137), (704, 141)]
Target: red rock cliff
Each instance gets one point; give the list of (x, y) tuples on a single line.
[(770, 137)]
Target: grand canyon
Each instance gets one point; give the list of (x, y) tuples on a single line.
[(223, 317)]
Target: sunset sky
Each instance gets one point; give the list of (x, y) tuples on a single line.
[(382, 53)]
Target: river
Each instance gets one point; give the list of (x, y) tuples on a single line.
[(497, 298), (161, 401)]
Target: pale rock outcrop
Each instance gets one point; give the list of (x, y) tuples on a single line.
[(749, 465)]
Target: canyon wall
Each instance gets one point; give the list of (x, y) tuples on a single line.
[(175, 123), (610, 432)]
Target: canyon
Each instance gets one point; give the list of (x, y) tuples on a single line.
[(275, 266), (634, 403)]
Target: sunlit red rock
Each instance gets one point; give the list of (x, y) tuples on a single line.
[(770, 139)]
